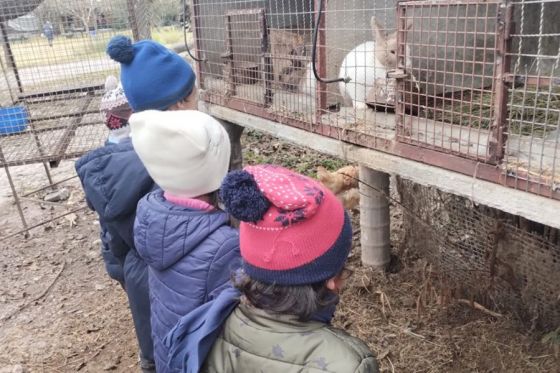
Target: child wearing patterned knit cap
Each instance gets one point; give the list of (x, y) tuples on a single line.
[(115, 110), (295, 238)]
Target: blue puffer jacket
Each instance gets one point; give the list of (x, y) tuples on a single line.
[(190, 254), (114, 179)]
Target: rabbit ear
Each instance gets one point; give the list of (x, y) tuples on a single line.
[(376, 28)]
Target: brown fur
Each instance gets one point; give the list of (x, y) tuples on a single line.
[(340, 180), (287, 70)]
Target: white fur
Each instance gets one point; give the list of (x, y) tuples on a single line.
[(362, 67), (309, 85)]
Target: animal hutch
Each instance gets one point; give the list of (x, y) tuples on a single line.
[(460, 98), (50, 94)]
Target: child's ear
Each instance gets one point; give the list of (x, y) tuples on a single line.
[(331, 284)]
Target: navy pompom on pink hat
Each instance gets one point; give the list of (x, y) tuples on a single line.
[(293, 230), (153, 77)]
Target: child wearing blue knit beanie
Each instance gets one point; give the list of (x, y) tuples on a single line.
[(156, 79), (153, 77)]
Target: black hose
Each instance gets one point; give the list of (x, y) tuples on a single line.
[(185, 34), (314, 51)]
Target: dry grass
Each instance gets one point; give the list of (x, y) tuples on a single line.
[(418, 333), (530, 112), (404, 316)]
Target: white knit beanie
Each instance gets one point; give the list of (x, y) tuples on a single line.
[(186, 152)]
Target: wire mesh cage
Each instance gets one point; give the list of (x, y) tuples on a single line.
[(53, 67), (483, 254), (463, 85), (453, 52)]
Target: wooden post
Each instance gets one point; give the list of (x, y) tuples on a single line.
[(375, 220)]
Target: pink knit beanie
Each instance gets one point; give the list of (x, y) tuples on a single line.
[(293, 230)]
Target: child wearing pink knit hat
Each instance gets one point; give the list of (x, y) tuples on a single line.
[(295, 237)]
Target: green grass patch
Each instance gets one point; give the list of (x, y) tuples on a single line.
[(35, 51), (259, 148), (169, 35)]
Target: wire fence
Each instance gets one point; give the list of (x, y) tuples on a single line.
[(465, 85), (53, 65)]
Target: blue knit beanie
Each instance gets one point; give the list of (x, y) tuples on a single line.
[(152, 76)]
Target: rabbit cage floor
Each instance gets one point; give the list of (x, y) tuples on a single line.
[(63, 127), (531, 153)]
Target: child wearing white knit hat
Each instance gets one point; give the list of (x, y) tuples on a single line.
[(180, 232)]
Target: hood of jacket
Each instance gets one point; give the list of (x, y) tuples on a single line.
[(164, 233), (114, 179)]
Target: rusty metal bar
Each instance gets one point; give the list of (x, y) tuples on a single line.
[(69, 115), (10, 55), (68, 135), (52, 128), (244, 12), (49, 186), (27, 229), (228, 57), (542, 81), (14, 191), (498, 134), (87, 89), (400, 105), (266, 60), (41, 150), (321, 87), (421, 3), (196, 35)]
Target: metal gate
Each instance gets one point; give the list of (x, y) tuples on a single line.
[(461, 109)]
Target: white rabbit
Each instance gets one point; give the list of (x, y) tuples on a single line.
[(308, 86), (367, 66)]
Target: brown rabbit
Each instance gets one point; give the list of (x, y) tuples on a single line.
[(286, 47)]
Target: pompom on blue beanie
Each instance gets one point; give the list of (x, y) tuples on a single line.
[(153, 77)]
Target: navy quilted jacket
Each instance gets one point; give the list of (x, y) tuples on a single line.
[(114, 179), (190, 254)]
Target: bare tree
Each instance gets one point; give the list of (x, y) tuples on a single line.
[(84, 10)]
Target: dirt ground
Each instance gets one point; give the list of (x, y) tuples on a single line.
[(59, 312)]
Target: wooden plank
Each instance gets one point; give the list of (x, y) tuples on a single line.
[(530, 206)]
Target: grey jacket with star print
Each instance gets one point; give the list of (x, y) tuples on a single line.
[(254, 341)]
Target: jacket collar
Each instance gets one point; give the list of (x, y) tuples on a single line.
[(274, 323)]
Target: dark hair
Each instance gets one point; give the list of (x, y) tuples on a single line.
[(302, 301), (214, 200)]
